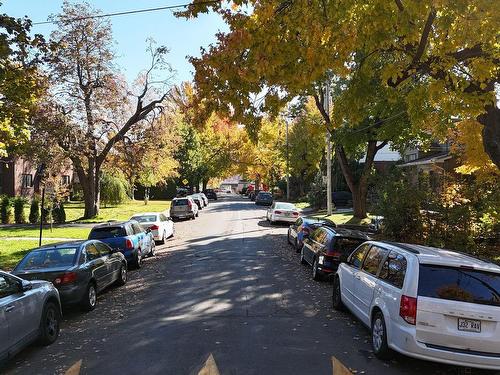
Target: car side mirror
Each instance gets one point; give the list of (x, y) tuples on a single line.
[(26, 285)]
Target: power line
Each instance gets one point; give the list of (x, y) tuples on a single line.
[(131, 12)]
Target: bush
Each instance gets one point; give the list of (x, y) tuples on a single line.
[(34, 211), (6, 210), (19, 216), (113, 190), (58, 213), (317, 195)]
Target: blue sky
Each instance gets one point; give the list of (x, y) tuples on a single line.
[(183, 37)]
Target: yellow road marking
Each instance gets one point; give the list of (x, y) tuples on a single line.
[(74, 369), (339, 368), (210, 367)]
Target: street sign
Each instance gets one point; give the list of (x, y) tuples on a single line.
[(185, 181)]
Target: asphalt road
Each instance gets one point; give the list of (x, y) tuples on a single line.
[(225, 293)]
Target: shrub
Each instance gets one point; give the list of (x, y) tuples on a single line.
[(113, 190), (6, 210), (34, 211), (58, 213), (317, 195), (19, 215)]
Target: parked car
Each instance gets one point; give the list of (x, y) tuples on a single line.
[(282, 211), (183, 208), (205, 199), (79, 269), (29, 311), (427, 303), (211, 194), (264, 198), (342, 198), (128, 237), (161, 226), (303, 227), (253, 194), (198, 200), (327, 247)]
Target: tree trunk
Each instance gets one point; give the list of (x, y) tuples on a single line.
[(205, 184), (91, 188), (359, 194), (491, 132)]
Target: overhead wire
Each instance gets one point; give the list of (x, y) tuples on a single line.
[(132, 12)]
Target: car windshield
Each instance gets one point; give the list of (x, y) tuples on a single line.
[(180, 202), (48, 258), (145, 218), (107, 232), (285, 206), (459, 284)]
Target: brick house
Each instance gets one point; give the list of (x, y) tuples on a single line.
[(18, 177)]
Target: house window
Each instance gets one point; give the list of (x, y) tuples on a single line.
[(27, 181), (65, 180)]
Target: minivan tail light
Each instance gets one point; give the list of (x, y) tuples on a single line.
[(408, 309), (278, 212), (66, 278), (154, 227), (129, 244)]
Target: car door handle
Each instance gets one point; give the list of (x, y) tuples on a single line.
[(9, 308)]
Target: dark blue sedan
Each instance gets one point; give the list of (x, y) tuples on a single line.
[(79, 269), (303, 227)]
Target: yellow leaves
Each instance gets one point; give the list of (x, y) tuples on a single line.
[(468, 143)]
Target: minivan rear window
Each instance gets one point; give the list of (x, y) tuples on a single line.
[(107, 232), (459, 284)]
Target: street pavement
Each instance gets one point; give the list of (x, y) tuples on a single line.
[(226, 295)]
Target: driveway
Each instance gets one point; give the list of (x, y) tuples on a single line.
[(226, 295)]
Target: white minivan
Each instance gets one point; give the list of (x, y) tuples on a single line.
[(427, 303)]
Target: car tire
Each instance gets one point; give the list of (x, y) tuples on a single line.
[(49, 324), (138, 260), (197, 213), (89, 300), (302, 258), (152, 251), (316, 273), (163, 238), (288, 237), (337, 303), (296, 245), (122, 276), (379, 337)]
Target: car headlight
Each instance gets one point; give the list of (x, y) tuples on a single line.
[(321, 259)]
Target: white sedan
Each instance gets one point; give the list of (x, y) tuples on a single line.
[(162, 226), (282, 211)]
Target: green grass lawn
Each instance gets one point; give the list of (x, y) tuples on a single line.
[(302, 205), (343, 218), (11, 251), (47, 233)]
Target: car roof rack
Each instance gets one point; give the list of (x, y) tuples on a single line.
[(402, 246)]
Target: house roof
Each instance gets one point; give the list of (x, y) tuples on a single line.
[(432, 159)]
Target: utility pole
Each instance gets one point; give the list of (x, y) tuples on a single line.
[(287, 165), (328, 155)]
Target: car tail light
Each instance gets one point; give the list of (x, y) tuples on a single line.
[(66, 278), (306, 230), (335, 254), (295, 214), (154, 227), (190, 205), (408, 309), (278, 212), (129, 244)]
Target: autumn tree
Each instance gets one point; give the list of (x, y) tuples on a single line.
[(21, 82), (91, 108)]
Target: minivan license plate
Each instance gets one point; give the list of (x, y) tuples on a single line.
[(469, 325)]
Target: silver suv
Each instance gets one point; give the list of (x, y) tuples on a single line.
[(29, 311), (183, 208)]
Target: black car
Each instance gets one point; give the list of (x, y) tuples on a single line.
[(211, 194), (303, 227), (79, 270), (264, 198), (327, 247)]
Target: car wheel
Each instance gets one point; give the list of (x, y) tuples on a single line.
[(296, 245), (197, 213), (49, 325), (163, 238), (138, 260), (152, 251), (316, 273), (288, 237), (302, 258), (337, 295), (89, 301), (379, 337), (122, 277)]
